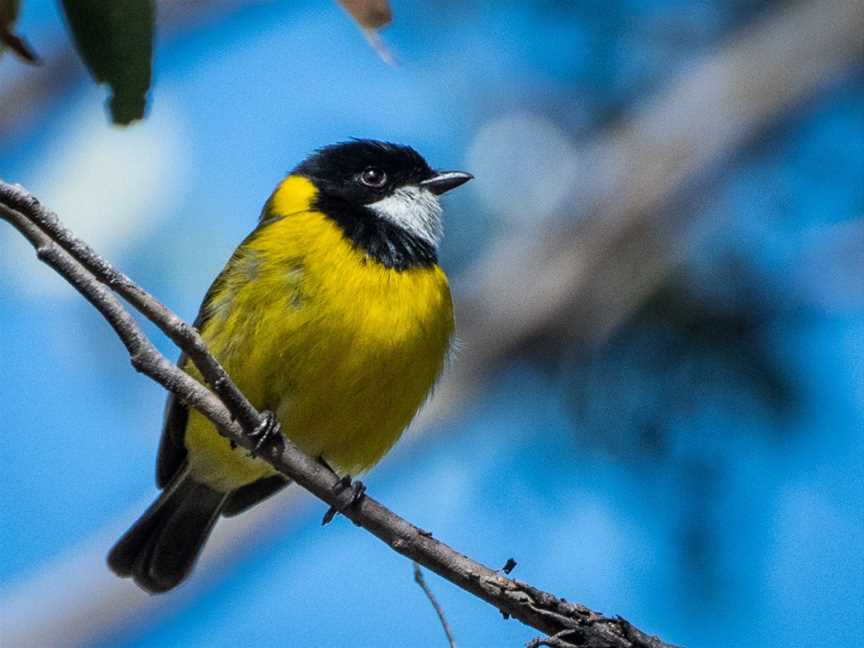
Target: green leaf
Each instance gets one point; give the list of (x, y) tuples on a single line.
[(9, 12), (115, 40)]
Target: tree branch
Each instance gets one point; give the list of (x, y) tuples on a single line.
[(235, 417)]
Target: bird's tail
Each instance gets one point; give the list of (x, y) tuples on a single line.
[(159, 550)]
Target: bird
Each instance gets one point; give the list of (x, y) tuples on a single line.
[(334, 316)]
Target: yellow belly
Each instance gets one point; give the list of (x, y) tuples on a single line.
[(343, 350)]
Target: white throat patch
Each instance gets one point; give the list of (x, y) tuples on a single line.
[(414, 209)]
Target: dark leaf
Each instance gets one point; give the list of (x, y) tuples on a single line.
[(8, 14), (115, 40), (370, 14)]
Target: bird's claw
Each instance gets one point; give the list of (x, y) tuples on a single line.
[(359, 492), (263, 432)]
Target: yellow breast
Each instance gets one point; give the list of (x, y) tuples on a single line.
[(342, 349)]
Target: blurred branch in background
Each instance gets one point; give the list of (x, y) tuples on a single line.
[(580, 282), (577, 282), (237, 420)]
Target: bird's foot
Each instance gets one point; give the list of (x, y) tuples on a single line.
[(359, 492), (263, 432)]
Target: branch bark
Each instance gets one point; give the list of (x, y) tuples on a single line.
[(235, 418)]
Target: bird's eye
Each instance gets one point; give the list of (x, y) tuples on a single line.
[(373, 177)]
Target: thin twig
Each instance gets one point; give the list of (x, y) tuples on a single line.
[(421, 581), (234, 417)]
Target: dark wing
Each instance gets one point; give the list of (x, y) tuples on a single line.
[(172, 447), (249, 495)]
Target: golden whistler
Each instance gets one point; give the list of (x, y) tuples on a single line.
[(334, 315)]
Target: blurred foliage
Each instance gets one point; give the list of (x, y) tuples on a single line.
[(115, 40), (691, 351), (685, 352)]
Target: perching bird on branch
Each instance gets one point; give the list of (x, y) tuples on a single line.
[(334, 315)]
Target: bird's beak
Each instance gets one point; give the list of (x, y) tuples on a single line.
[(444, 181)]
